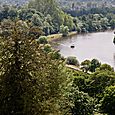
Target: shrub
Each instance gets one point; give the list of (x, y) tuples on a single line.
[(64, 30), (42, 40), (72, 61), (47, 48)]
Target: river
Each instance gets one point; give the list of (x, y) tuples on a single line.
[(89, 46)]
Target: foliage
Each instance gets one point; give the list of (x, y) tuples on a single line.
[(64, 30), (99, 81), (83, 104), (72, 61), (42, 40), (80, 103), (31, 82), (106, 67), (86, 65), (47, 48), (108, 101), (94, 64)]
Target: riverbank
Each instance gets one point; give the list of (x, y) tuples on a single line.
[(59, 36)]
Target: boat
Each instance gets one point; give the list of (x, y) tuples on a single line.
[(72, 46)]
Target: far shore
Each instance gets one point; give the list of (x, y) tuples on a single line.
[(59, 36)]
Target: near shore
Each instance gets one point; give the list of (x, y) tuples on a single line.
[(58, 36)]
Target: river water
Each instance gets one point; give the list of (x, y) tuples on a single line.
[(89, 46)]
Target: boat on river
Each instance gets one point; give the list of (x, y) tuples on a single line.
[(72, 46)]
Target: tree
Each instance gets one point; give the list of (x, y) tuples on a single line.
[(47, 48), (44, 6), (94, 64), (72, 61), (64, 30), (99, 81), (81, 103), (42, 40), (31, 82), (86, 65), (106, 67), (36, 20), (108, 101)]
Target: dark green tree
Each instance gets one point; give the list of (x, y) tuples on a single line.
[(94, 64), (108, 101), (31, 82), (64, 30), (72, 61), (86, 65)]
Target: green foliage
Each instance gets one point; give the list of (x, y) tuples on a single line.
[(56, 55), (31, 82), (32, 76), (108, 101), (64, 30), (99, 81), (72, 61), (86, 65), (81, 103), (42, 40), (94, 64), (47, 48), (106, 67)]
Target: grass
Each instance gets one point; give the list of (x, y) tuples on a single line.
[(58, 36), (54, 36)]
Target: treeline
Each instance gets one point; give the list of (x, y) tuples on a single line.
[(48, 19), (84, 11), (95, 22), (53, 20)]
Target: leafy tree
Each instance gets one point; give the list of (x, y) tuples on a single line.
[(42, 40), (108, 101), (31, 82), (81, 103), (36, 20), (86, 65), (72, 61), (99, 81), (64, 30), (56, 55), (13, 14), (106, 67), (94, 64), (47, 48), (112, 23)]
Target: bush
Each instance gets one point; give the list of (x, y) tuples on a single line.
[(64, 30), (42, 40), (72, 61), (94, 64), (47, 48), (106, 67), (85, 65)]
